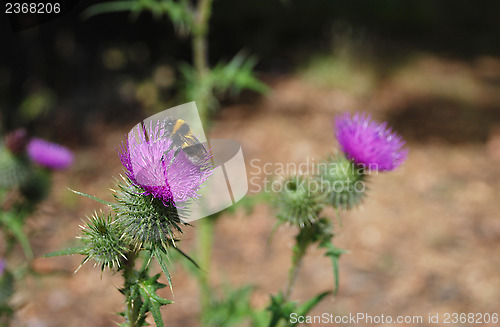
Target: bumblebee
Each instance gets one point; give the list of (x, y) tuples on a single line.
[(184, 139)]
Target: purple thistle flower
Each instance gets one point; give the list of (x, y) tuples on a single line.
[(48, 154), (369, 143), (3, 265), (150, 164), (16, 141)]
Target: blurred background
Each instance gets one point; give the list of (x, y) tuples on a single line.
[(425, 240)]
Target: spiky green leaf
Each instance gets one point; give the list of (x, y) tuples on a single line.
[(161, 256), (68, 251), (92, 197), (13, 225), (334, 254), (307, 306), (152, 301)]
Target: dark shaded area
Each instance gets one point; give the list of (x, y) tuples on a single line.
[(64, 55), (273, 28), (444, 120), (35, 14)]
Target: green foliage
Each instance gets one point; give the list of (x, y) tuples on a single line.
[(195, 86), (231, 309), (179, 12), (190, 264), (140, 226), (200, 83), (321, 233), (347, 66), (22, 186), (225, 78), (299, 205), (12, 225), (36, 186), (334, 254), (37, 104), (235, 309), (67, 251), (161, 256), (342, 72), (14, 170), (141, 298), (237, 75), (6, 292), (6, 286), (281, 309), (92, 197), (101, 241)]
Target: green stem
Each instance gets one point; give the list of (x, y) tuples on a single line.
[(300, 251), (200, 52), (200, 58), (205, 243), (200, 32), (132, 310)]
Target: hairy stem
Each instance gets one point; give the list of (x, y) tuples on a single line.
[(200, 52), (299, 253), (129, 276), (200, 32), (200, 58)]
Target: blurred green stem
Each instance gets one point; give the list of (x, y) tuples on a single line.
[(205, 243), (200, 53), (200, 57), (200, 32), (300, 250)]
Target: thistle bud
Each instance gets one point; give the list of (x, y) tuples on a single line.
[(13, 170), (343, 183), (16, 141), (102, 243), (145, 219), (36, 187), (297, 202)]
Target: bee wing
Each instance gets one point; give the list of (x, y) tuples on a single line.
[(195, 149), (189, 140)]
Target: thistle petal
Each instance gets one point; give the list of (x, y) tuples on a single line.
[(369, 143)]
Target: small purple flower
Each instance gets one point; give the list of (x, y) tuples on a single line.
[(48, 154), (369, 143), (150, 164)]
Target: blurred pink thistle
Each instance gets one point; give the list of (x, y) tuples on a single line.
[(48, 154), (369, 143)]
